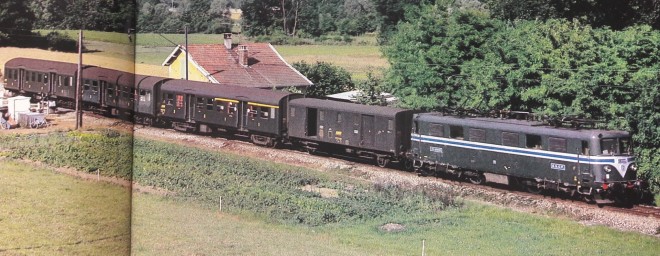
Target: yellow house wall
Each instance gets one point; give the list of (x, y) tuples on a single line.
[(177, 70)]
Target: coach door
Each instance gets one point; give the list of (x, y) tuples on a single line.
[(367, 134), (52, 83), (311, 129), (21, 79), (190, 107)]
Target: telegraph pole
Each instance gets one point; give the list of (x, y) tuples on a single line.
[(79, 83), (185, 28)]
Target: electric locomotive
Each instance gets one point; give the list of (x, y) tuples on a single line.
[(597, 164)]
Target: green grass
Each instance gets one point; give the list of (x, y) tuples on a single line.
[(167, 227), (356, 59), (44, 213)]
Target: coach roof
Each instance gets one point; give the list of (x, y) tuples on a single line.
[(43, 66), (347, 107), (225, 91)]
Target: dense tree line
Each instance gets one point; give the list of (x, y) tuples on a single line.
[(170, 16), (449, 58)]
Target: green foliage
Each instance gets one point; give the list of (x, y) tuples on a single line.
[(15, 19), (61, 42), (614, 14), (273, 190), (556, 67), (106, 150), (327, 78), (101, 15), (204, 16), (370, 90)]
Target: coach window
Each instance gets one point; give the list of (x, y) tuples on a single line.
[(339, 118), (456, 132), (220, 106), (111, 89), (95, 86), (86, 85), (33, 75), (437, 130), (169, 99), (232, 108), (40, 78), (390, 125), (557, 144), (264, 112), (209, 104), (251, 111), (145, 95), (200, 103), (478, 135), (293, 112), (510, 139), (45, 78), (321, 115), (533, 141)]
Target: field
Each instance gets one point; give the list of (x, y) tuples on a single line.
[(46, 213), (266, 206)]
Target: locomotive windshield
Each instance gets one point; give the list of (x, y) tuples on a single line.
[(616, 146)]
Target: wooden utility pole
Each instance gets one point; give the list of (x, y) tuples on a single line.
[(186, 49), (79, 83)]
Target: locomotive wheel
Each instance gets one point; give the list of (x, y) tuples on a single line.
[(382, 161), (533, 188)]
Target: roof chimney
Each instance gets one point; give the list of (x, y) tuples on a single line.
[(243, 55), (228, 40)]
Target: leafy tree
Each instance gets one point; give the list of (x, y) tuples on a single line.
[(370, 91), (327, 78), (15, 19)]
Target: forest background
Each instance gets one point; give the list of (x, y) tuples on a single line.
[(583, 58)]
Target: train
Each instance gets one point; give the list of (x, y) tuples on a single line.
[(594, 164)]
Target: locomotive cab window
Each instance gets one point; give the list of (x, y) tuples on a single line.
[(436, 130), (510, 139), (585, 147), (478, 135), (456, 132), (557, 144), (533, 141)]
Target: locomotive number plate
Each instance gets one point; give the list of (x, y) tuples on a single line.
[(436, 149), (560, 167)]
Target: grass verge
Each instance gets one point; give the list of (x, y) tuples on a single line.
[(45, 213)]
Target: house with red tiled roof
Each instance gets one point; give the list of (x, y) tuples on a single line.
[(256, 65)]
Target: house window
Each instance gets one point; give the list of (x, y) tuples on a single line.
[(456, 132), (533, 141), (436, 130), (557, 144), (510, 139), (478, 135)]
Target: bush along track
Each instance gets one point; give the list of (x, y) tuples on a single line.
[(276, 192), (280, 193)]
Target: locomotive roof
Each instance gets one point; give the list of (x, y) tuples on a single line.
[(43, 65), (225, 91), (110, 75), (347, 106), (523, 126)]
